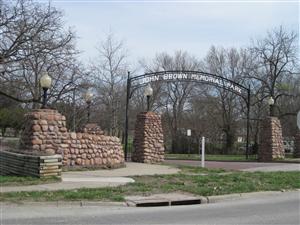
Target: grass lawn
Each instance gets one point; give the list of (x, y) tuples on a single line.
[(193, 180), (19, 180), (238, 158), (209, 157)]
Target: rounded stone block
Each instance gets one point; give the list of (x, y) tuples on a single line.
[(36, 128)]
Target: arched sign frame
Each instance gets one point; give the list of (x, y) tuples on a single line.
[(134, 83)]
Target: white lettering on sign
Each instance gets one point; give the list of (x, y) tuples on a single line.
[(149, 79), (188, 76), (174, 76)]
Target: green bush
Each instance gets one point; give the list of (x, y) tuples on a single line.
[(11, 118)]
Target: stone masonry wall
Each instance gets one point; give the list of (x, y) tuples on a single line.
[(148, 140), (45, 132), (297, 145), (271, 141)]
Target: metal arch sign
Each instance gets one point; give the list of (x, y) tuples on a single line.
[(134, 83), (195, 76)]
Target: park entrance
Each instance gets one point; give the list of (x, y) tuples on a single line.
[(134, 83)]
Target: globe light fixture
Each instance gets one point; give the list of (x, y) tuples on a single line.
[(271, 103), (45, 82), (88, 99), (148, 93)]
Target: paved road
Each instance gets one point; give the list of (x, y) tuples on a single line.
[(245, 166), (268, 209)]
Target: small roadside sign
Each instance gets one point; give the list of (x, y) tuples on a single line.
[(189, 132), (298, 120)]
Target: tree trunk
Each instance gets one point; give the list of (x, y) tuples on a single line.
[(229, 142), (3, 130)]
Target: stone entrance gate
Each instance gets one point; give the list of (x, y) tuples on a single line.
[(46, 133)]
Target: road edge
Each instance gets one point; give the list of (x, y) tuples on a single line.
[(204, 200)]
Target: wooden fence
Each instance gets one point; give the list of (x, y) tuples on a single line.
[(29, 165)]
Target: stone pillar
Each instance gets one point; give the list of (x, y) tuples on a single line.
[(44, 132), (297, 145), (148, 140), (271, 141)]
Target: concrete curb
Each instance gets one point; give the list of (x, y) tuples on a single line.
[(230, 197), (206, 199), (203, 200), (66, 204)]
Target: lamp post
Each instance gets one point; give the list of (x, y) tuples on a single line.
[(148, 93), (45, 83), (298, 120), (271, 104), (88, 99)]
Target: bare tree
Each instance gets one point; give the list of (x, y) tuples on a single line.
[(33, 41), (228, 63), (276, 60), (110, 72), (275, 72)]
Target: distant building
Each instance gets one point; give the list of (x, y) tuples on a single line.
[(288, 144)]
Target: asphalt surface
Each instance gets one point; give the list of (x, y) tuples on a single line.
[(267, 209)]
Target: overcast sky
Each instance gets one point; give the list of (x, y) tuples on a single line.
[(149, 27)]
